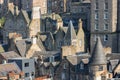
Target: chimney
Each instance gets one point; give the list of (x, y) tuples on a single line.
[(36, 13), (34, 40), (53, 16)]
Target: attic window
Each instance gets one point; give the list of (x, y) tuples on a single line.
[(51, 59), (63, 76), (100, 68), (81, 66), (64, 66), (26, 74), (26, 64)]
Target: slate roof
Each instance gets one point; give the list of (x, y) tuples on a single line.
[(25, 15), (40, 44), (10, 54), (65, 29), (71, 34), (23, 46), (57, 16), (47, 64), (45, 35), (8, 67), (46, 53), (14, 10), (113, 56), (76, 59), (98, 55)]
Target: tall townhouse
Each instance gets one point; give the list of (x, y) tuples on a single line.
[(104, 24)]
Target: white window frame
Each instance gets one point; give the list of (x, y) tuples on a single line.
[(96, 16), (106, 26), (51, 59), (106, 15), (96, 6), (105, 8), (96, 26)]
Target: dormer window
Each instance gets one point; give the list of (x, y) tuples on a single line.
[(51, 59), (63, 76), (64, 66), (60, 43), (81, 66), (100, 68)]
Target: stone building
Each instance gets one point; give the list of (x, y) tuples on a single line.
[(64, 37), (16, 22), (98, 63), (104, 24), (35, 23), (51, 22), (80, 6), (29, 4)]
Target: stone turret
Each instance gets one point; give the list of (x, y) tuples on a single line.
[(98, 62), (98, 55)]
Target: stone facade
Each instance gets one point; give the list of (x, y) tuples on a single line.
[(29, 4), (35, 22), (104, 23), (80, 6), (62, 37), (51, 22)]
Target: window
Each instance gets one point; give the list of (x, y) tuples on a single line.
[(105, 26), (103, 77), (96, 6), (105, 37), (26, 65), (51, 72), (61, 4), (26, 74), (63, 76), (96, 26), (81, 66), (32, 74), (64, 66), (106, 5), (60, 43), (106, 15), (96, 15), (100, 68), (95, 38), (51, 59), (80, 43), (27, 5)]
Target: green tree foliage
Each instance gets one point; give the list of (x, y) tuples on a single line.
[(2, 21)]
